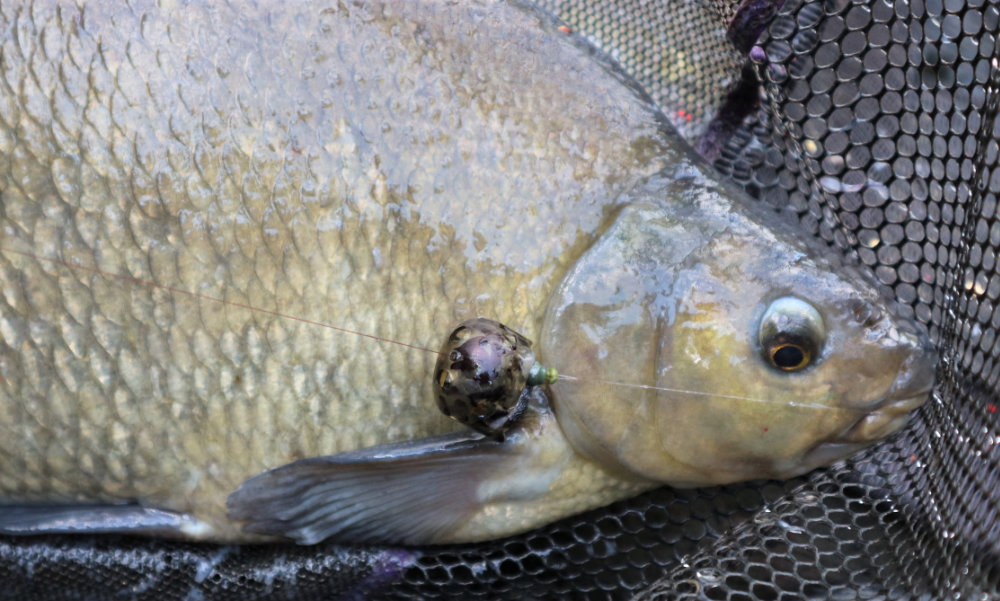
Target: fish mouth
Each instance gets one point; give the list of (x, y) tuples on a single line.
[(890, 415), (909, 391)]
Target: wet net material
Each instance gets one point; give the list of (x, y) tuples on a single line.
[(872, 124)]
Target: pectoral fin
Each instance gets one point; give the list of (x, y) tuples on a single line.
[(410, 493), (80, 519)]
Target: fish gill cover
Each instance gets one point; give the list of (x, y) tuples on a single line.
[(872, 122)]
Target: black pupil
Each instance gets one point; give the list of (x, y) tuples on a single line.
[(788, 356)]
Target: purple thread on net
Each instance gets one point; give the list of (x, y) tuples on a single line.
[(749, 21)]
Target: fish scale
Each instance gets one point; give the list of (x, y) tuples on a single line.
[(387, 169), (192, 166)]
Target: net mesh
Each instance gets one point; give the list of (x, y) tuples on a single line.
[(872, 124), (877, 128)]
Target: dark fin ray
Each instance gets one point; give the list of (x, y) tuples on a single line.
[(410, 493), (79, 519)]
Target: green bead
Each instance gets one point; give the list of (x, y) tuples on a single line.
[(540, 374)]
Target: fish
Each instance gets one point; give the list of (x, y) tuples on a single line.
[(234, 237)]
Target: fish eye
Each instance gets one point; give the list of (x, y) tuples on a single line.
[(791, 334), (789, 356)]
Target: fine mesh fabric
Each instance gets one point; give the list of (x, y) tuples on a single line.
[(872, 124)]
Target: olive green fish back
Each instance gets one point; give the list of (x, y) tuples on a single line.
[(873, 123)]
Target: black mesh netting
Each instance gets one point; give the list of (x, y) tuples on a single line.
[(873, 123)]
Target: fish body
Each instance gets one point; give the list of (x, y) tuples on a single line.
[(389, 168)]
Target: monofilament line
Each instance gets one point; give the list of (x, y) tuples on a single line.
[(734, 397), (134, 280), (149, 283)]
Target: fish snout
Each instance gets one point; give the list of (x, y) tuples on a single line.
[(915, 380), (910, 390)]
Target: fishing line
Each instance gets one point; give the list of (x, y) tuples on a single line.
[(134, 280), (151, 284), (734, 397)]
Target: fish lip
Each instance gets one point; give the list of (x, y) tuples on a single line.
[(909, 391), (916, 376), (888, 416), (827, 453), (905, 404), (914, 383)]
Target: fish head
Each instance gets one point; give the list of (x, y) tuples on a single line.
[(709, 345)]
